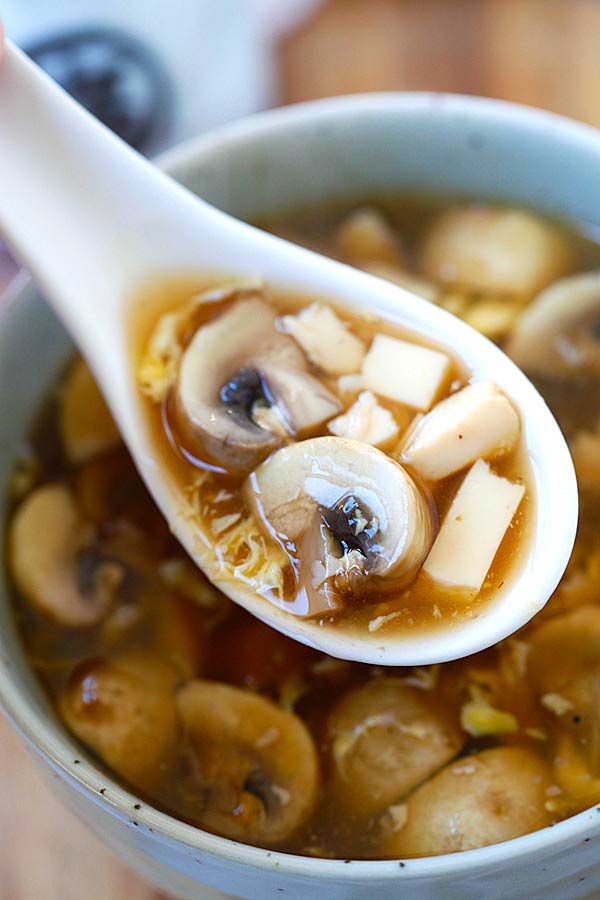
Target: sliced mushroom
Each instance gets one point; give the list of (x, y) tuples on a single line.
[(559, 333), (124, 710), (257, 764), (487, 248), (85, 423), (157, 370), (234, 362), (357, 518), (386, 738), (53, 565), (477, 800)]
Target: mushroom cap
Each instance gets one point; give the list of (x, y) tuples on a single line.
[(231, 362), (124, 710), (556, 335), (257, 761), (494, 249), (44, 540), (386, 738), (327, 481), (475, 801), (562, 648)]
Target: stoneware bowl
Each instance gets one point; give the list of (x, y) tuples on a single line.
[(274, 162)]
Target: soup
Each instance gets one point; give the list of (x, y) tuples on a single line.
[(338, 467), (210, 715)]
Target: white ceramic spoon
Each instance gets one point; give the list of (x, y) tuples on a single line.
[(93, 220)]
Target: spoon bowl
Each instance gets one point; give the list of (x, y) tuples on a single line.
[(94, 222)]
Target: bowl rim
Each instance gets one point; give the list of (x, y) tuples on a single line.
[(54, 744)]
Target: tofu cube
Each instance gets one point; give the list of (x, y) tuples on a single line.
[(473, 529), (408, 373), (484, 248), (366, 421), (325, 339), (478, 421)]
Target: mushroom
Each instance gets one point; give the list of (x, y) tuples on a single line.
[(386, 738), (365, 236), (85, 423), (496, 250), (232, 365), (582, 718), (477, 800), (558, 334), (54, 564), (124, 710), (563, 648), (355, 516), (257, 763)]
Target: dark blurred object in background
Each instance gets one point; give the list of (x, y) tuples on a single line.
[(157, 72), (114, 76)]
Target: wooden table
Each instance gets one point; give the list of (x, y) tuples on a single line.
[(541, 52)]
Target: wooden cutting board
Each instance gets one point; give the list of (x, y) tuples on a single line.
[(542, 52)]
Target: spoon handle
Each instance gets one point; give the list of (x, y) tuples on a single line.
[(82, 210)]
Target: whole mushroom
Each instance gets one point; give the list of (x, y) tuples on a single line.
[(558, 334), (386, 738), (54, 564), (256, 762), (477, 800)]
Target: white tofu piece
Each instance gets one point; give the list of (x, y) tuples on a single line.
[(484, 248), (366, 421), (478, 421), (473, 529), (325, 339), (349, 387), (408, 373)]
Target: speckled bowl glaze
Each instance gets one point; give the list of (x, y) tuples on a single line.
[(274, 162)]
